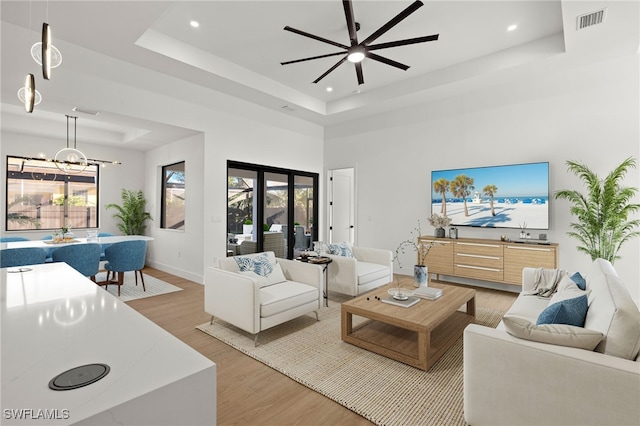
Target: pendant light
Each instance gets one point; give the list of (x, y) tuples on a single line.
[(28, 94), (70, 160), (45, 53)]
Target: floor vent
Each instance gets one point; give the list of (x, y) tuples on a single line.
[(591, 19)]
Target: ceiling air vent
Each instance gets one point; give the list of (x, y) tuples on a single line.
[(590, 19)]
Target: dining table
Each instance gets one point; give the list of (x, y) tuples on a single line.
[(50, 244)]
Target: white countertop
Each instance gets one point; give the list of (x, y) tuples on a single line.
[(54, 319)]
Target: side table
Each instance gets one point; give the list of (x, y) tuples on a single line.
[(323, 262)]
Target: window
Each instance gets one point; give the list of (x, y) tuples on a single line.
[(173, 196), (40, 196)]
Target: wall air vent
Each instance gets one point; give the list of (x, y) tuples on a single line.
[(591, 19), (85, 111)]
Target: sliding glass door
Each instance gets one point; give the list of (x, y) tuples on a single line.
[(270, 209)]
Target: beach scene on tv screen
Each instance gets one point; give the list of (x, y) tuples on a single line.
[(511, 196)]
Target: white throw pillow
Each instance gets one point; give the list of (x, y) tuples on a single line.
[(261, 267), (554, 334)]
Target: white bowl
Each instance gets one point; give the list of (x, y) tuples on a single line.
[(400, 293)]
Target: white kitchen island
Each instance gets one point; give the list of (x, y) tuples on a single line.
[(54, 319)]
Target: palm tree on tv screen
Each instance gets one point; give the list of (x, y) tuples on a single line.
[(441, 186), (461, 187), (490, 191)]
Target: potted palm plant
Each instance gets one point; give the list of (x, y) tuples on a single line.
[(131, 213), (603, 212)]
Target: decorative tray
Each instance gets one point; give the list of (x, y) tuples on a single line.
[(319, 260), (61, 242)]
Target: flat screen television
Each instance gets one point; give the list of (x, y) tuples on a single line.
[(508, 196)]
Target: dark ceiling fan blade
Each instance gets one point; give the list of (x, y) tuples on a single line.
[(387, 61), (315, 37), (403, 42), (331, 69), (312, 58), (394, 21), (359, 72), (351, 22)]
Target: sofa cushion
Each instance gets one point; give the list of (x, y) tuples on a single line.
[(555, 334), (579, 280), (571, 311), (341, 249), (612, 312), (275, 276), (368, 272), (285, 296)]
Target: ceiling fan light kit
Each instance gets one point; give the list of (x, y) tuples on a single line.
[(357, 51)]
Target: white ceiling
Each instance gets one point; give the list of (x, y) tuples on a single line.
[(238, 47)]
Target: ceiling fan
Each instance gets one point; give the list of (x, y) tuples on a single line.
[(357, 51)]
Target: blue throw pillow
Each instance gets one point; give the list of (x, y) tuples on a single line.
[(579, 280), (341, 249), (259, 264), (568, 311)]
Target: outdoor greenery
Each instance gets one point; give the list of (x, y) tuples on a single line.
[(132, 214), (603, 212), (19, 217)]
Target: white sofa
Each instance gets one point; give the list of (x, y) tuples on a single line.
[(511, 380), (367, 269), (250, 302)]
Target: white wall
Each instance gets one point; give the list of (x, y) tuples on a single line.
[(177, 251), (112, 178), (566, 110)]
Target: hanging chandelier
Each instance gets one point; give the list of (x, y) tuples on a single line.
[(70, 160)]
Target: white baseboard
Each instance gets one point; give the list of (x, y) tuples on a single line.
[(187, 275)]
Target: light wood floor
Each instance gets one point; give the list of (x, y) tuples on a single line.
[(250, 393)]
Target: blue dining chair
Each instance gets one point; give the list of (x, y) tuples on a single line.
[(22, 256), (125, 256), (84, 258), (104, 246), (12, 239), (49, 251)]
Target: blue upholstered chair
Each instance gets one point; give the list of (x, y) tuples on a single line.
[(125, 256), (49, 251), (12, 239), (104, 246), (22, 256), (84, 258)]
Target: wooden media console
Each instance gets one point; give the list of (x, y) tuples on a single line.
[(488, 260)]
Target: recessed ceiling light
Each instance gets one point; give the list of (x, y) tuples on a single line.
[(512, 27), (194, 24), (329, 89)]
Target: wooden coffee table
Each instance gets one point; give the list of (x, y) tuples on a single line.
[(418, 335)]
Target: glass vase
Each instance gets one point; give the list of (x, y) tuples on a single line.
[(420, 275)]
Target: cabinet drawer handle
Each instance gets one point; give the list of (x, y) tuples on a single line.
[(529, 248), (478, 267), (478, 255), (478, 245), (435, 242)]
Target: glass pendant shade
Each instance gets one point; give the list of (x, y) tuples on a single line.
[(45, 53), (28, 94)]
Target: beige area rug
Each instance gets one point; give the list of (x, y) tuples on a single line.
[(129, 290), (381, 390)]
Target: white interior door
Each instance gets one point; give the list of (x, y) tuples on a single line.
[(342, 205)]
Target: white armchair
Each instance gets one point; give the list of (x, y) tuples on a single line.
[(245, 301), (367, 269)]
